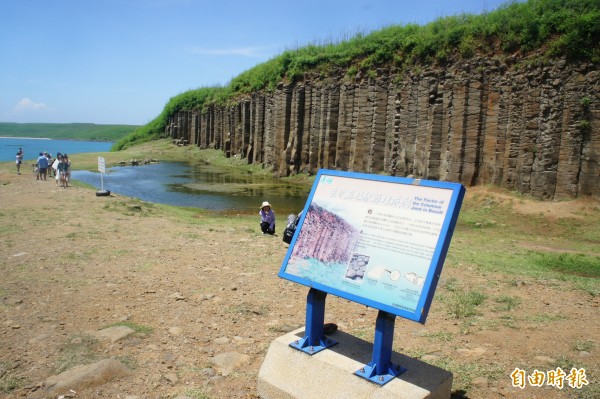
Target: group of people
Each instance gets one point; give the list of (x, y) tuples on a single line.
[(45, 165)]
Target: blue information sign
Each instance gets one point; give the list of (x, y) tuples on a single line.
[(377, 240)]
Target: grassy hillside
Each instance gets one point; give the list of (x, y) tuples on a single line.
[(67, 131), (551, 28)]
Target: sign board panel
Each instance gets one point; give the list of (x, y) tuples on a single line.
[(377, 240), (101, 165)]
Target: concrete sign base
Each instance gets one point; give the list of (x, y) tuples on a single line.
[(287, 373)]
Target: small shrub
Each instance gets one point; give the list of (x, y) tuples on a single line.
[(441, 336), (138, 328), (352, 71), (507, 303), (467, 47), (197, 394), (586, 102), (586, 346), (451, 284), (464, 304), (8, 381), (583, 124), (248, 309)]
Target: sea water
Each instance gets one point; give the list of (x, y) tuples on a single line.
[(33, 146), (200, 186)]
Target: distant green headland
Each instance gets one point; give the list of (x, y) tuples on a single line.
[(67, 131)]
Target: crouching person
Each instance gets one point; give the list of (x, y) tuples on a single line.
[(267, 218)]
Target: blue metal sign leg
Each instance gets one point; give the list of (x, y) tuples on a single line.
[(381, 369), (314, 339)]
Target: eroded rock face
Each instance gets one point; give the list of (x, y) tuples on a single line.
[(505, 122)]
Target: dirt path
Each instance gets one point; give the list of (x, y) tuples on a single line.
[(73, 264)]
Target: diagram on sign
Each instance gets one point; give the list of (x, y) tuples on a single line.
[(414, 279), (357, 267)]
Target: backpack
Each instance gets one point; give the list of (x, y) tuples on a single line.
[(288, 233)]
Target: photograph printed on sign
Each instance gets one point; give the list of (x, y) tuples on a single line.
[(375, 239)]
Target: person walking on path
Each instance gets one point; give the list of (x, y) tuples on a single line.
[(68, 162), (42, 164), (50, 162), (63, 170), (267, 218), (20, 155)]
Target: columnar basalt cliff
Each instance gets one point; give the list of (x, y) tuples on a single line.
[(326, 237), (530, 127)]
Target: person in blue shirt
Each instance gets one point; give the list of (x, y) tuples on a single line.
[(267, 218), (42, 164)]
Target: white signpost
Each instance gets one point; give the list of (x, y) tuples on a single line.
[(101, 165), (102, 170)]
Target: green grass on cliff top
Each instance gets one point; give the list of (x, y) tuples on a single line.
[(551, 28)]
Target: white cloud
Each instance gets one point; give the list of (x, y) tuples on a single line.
[(25, 104), (243, 51)]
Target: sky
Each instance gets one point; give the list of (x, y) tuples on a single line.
[(120, 61)]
